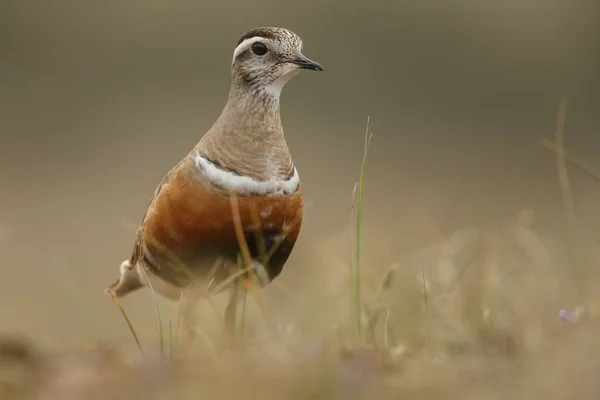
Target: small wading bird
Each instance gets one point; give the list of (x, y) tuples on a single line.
[(236, 193)]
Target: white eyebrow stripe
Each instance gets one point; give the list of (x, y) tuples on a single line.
[(245, 45)]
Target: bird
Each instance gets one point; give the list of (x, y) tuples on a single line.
[(236, 198)]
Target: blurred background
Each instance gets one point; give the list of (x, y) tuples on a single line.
[(98, 100)]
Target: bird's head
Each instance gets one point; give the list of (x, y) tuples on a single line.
[(265, 59)]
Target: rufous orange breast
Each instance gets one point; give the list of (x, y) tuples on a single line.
[(189, 226)]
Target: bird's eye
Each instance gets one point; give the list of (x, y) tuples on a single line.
[(259, 49)]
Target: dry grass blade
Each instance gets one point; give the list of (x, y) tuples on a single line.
[(356, 296), (158, 316), (565, 188), (577, 161), (129, 324), (561, 165), (426, 301), (254, 288), (230, 279), (239, 231), (244, 249)]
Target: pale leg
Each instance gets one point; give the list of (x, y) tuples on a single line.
[(237, 293), (189, 300)]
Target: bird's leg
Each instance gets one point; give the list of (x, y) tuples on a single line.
[(188, 302), (192, 295), (231, 310), (238, 292)]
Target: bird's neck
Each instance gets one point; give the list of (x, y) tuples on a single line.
[(248, 138)]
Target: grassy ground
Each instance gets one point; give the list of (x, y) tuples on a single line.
[(480, 314)]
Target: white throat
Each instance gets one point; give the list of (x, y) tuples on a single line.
[(274, 89)]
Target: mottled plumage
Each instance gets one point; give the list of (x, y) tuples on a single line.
[(188, 226)]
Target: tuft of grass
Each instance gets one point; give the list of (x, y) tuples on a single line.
[(356, 284)]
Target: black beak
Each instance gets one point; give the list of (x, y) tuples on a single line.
[(305, 63)]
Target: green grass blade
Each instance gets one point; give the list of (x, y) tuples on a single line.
[(171, 340)]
